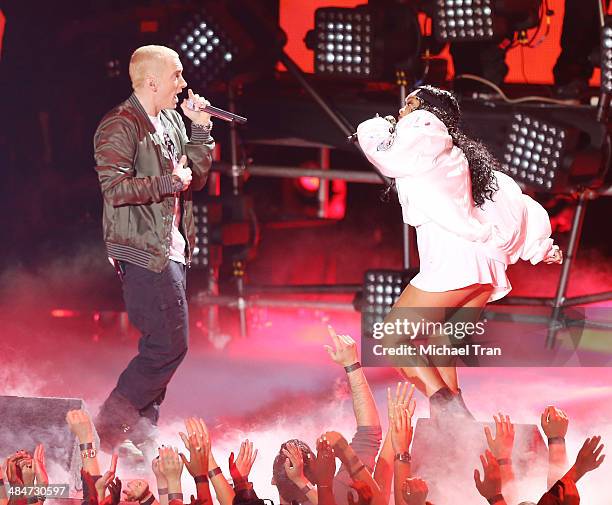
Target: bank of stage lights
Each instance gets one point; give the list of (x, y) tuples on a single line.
[(534, 152), (205, 48), (364, 42), (344, 42), (381, 289), (463, 20)]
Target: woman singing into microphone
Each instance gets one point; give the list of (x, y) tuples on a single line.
[(472, 221)]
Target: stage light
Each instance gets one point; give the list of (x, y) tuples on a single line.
[(457, 20), (535, 151), (207, 48), (364, 42), (200, 256), (381, 289), (606, 56), (473, 20)]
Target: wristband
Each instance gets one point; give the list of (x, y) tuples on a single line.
[(353, 367), (495, 499), (214, 472), (504, 461), (162, 491), (175, 496), (355, 472), (556, 440), (403, 457), (32, 499), (84, 447), (148, 501), (201, 479), (207, 126)]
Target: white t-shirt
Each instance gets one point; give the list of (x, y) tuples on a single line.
[(177, 245)]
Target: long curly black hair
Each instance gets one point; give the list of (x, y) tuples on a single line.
[(445, 107)]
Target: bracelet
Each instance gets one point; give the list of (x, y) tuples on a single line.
[(148, 501), (495, 499), (85, 446), (207, 126), (162, 491), (556, 440), (504, 461), (355, 472), (201, 479), (32, 499), (353, 367), (214, 472), (175, 496)]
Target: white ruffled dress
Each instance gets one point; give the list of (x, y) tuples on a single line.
[(459, 244)]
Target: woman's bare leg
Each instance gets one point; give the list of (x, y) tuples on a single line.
[(428, 379), (477, 301)]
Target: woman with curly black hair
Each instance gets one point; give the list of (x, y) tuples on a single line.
[(472, 220)]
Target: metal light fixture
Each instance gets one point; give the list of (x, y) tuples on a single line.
[(463, 20), (205, 47), (381, 289), (535, 152), (366, 42), (606, 56)]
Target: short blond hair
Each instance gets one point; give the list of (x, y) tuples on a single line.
[(148, 61)]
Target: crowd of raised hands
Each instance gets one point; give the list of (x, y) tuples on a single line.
[(305, 476)]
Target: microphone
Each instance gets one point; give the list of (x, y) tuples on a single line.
[(218, 113)]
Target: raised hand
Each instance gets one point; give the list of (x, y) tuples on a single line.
[(11, 469), (170, 464), (324, 465), (402, 397), (38, 463), (491, 484), (414, 491), (27, 472), (501, 446), (199, 447), (162, 482), (240, 468), (401, 429), (294, 464), (103, 482), (344, 351), (196, 113), (114, 495), (80, 424), (589, 457), (554, 422)]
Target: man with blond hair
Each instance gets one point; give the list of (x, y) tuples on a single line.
[(148, 169)]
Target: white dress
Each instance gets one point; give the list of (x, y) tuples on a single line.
[(459, 243)]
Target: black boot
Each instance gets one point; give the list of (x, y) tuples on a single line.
[(118, 420)]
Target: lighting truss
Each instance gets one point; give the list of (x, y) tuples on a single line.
[(535, 152)]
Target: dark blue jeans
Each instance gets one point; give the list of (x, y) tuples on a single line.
[(156, 304)]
